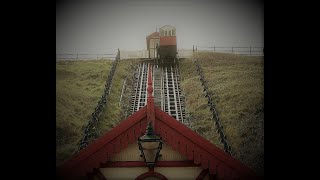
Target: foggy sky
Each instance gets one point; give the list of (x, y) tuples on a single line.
[(104, 26)]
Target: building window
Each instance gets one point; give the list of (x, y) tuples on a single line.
[(165, 33), (173, 32), (170, 33)]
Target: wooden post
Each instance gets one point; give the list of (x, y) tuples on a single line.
[(118, 55), (250, 50), (150, 99)]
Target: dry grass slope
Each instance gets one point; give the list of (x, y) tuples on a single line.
[(79, 86), (197, 104), (236, 83)]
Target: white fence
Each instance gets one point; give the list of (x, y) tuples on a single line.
[(111, 56), (133, 54)]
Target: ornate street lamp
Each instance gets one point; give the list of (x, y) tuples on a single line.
[(150, 146)]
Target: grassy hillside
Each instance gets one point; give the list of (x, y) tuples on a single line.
[(196, 103), (236, 83), (79, 86)]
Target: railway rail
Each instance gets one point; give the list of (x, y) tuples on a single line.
[(166, 90)]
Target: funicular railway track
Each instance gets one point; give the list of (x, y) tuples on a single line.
[(166, 90)]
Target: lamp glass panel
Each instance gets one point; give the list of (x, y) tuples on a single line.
[(150, 155), (150, 145)]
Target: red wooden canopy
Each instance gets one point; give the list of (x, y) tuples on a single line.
[(174, 133)]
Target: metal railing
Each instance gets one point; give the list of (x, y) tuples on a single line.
[(213, 109), (244, 50), (89, 132), (111, 56)]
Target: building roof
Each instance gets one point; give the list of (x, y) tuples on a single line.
[(153, 35), (168, 41), (168, 26), (174, 133)]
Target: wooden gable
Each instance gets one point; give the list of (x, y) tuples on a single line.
[(153, 35)]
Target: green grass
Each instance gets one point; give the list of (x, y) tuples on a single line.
[(79, 86), (237, 85)]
